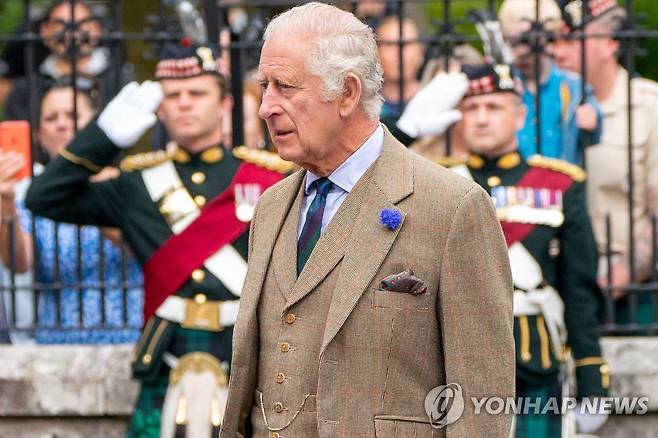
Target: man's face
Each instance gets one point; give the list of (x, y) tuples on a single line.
[(303, 126), (489, 122), (191, 109), (389, 51), (599, 48), (57, 32)]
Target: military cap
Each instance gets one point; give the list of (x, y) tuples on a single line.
[(186, 60), (491, 78), (572, 11)]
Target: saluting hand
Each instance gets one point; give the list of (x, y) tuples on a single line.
[(131, 113), (433, 109)]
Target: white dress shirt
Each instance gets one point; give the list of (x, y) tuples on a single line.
[(344, 178)]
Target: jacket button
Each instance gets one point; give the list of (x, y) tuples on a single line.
[(290, 318), (493, 181), (280, 377), (285, 347), (198, 178), (198, 275), (275, 435), (278, 407), (200, 200)]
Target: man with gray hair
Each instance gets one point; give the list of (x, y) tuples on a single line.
[(378, 290)]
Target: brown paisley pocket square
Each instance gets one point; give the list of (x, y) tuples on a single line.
[(405, 282)]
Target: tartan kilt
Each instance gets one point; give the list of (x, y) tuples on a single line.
[(537, 425), (146, 418)]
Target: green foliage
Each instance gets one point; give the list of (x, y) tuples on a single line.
[(11, 15), (646, 11)]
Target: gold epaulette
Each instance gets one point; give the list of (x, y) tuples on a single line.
[(261, 158), (450, 161), (144, 160), (576, 173)]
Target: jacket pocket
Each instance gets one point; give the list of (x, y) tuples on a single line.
[(394, 426), (385, 299)]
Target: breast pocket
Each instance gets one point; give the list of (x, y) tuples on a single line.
[(385, 299)]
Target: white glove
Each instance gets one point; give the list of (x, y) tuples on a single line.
[(589, 423), (432, 110), (131, 113)]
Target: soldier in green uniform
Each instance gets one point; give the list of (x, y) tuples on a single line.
[(185, 214), (541, 206)]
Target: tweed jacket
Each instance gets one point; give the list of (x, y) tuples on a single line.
[(382, 351)]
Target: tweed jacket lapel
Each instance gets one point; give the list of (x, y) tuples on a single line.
[(370, 241), (284, 261), (331, 246), (271, 216)]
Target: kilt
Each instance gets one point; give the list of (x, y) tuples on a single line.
[(146, 418), (537, 425)]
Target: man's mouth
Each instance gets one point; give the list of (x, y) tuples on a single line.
[(282, 134)]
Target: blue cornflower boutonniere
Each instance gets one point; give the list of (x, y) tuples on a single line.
[(390, 218)]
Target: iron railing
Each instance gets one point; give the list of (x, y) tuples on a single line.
[(445, 25)]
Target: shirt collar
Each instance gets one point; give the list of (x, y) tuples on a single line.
[(350, 172)]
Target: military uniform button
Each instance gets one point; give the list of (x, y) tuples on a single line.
[(285, 347), (275, 435), (198, 178), (200, 200), (278, 407), (147, 359), (198, 275), (493, 181), (290, 318), (200, 298), (280, 378)]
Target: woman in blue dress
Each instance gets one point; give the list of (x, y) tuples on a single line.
[(74, 266)]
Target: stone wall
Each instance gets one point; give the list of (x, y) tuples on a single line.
[(86, 391), (65, 391)]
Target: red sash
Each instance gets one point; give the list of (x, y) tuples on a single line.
[(171, 265)]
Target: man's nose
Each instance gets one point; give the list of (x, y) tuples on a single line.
[(482, 116), (184, 100), (268, 104)]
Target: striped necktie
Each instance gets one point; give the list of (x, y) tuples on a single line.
[(313, 223)]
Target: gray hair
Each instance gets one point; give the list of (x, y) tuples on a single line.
[(612, 20), (342, 45)]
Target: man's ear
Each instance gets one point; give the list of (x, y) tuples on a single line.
[(613, 47), (351, 96)]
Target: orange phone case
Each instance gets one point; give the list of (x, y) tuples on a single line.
[(15, 136)]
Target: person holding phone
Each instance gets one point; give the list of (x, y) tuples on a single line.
[(56, 129)]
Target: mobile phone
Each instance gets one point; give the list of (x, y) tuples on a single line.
[(15, 137)]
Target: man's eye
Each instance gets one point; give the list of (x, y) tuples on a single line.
[(284, 86)]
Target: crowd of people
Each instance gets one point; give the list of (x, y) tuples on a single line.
[(533, 145)]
